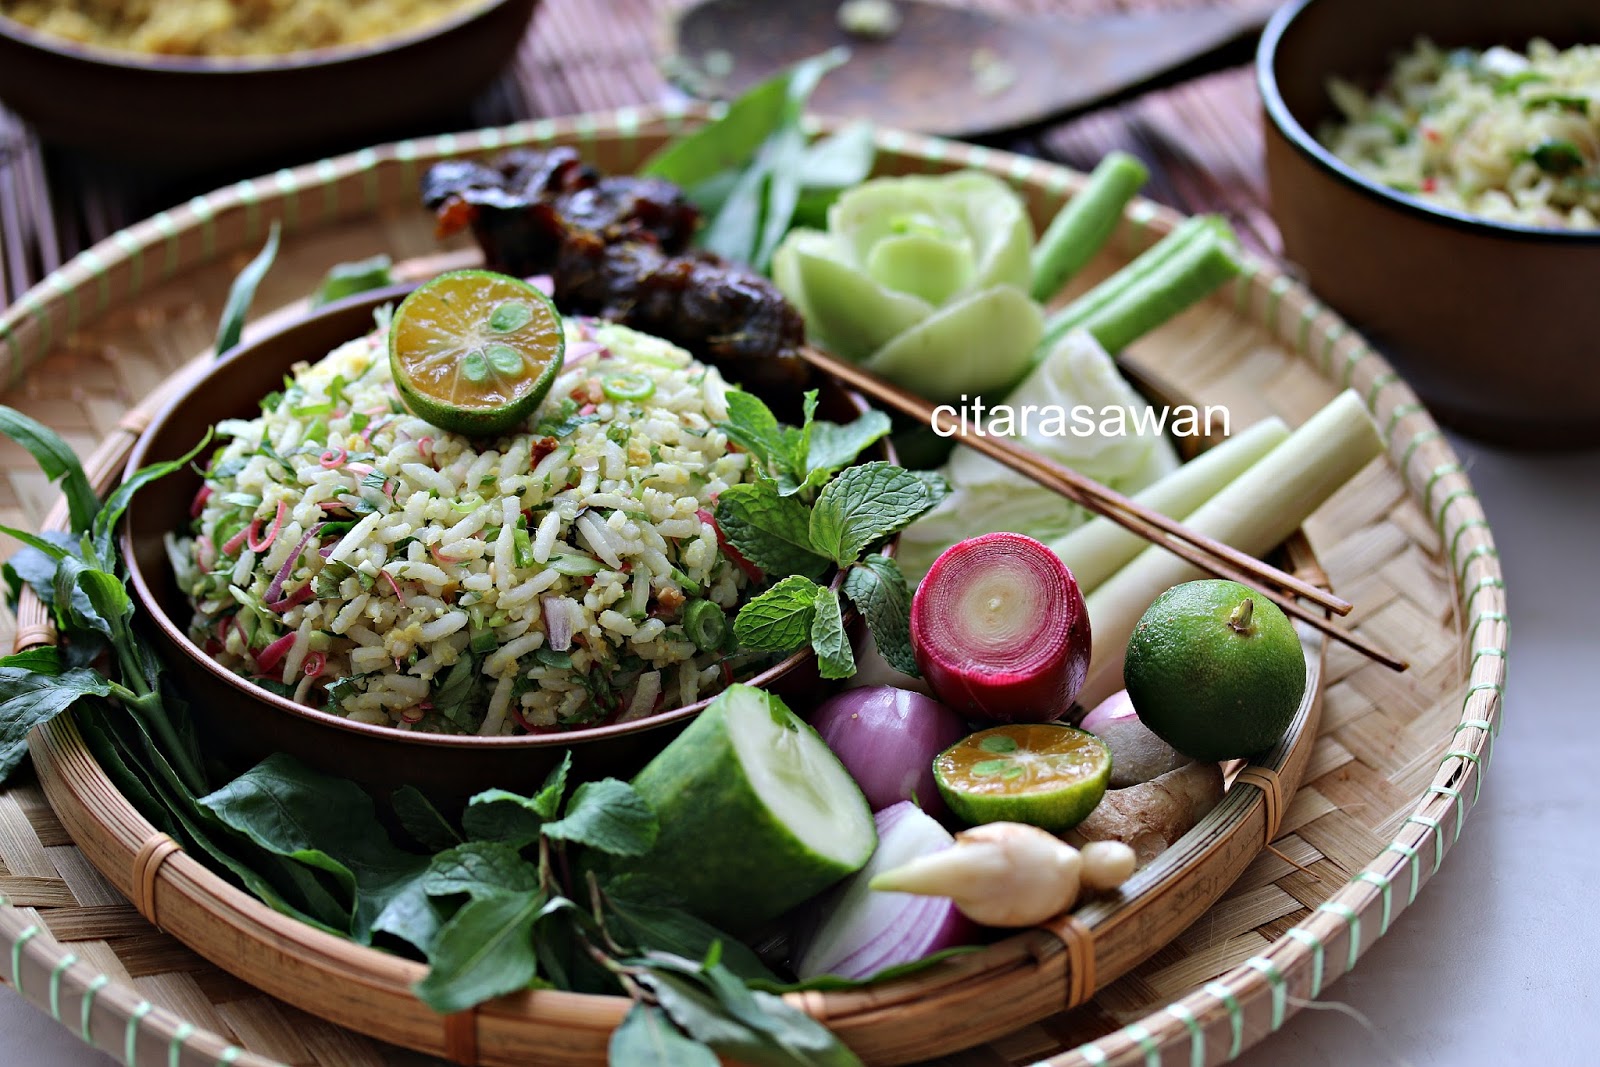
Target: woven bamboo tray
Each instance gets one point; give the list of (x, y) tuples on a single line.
[(1406, 541)]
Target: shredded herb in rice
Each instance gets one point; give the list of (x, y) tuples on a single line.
[(434, 582)]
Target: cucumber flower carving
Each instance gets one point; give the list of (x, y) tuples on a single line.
[(924, 280)]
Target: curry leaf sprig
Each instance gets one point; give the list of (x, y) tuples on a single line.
[(804, 516)]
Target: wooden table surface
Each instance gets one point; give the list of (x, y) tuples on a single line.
[(1202, 141)]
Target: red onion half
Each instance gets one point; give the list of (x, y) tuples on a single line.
[(887, 739), (861, 931)]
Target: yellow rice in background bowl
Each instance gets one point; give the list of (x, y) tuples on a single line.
[(228, 27)]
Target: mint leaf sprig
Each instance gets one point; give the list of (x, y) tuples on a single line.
[(805, 515)]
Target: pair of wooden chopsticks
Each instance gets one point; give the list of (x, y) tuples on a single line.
[(1208, 554)]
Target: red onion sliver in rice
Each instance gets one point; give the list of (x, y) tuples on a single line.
[(273, 654), (557, 622), (578, 351), (274, 599), (360, 470), (272, 534), (314, 664), (294, 599), (231, 545), (400, 596), (199, 503), (333, 458)]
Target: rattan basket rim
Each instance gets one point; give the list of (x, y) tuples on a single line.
[(1432, 473)]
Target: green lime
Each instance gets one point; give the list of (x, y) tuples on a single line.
[(475, 352), (1045, 774), (1215, 670)]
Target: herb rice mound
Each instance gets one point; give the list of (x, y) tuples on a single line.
[(353, 557)]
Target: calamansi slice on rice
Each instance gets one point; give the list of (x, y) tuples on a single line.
[(475, 352)]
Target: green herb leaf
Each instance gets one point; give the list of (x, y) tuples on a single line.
[(771, 531), (479, 869), (36, 567), (243, 292), (647, 1038), (833, 446), (29, 698), (834, 658), (652, 926), (88, 598), (1557, 156), (322, 822), (779, 619), (547, 801), (607, 816), (426, 825), (58, 462), (41, 659), (498, 815), (753, 427), (105, 521), (455, 695), (484, 951), (358, 276), (865, 504), (878, 589)]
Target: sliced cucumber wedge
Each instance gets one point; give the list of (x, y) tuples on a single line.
[(756, 813)]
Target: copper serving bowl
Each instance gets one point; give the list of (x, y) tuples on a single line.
[(1493, 324), (240, 722), (193, 112)]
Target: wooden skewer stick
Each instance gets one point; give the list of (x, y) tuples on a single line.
[(1206, 553)]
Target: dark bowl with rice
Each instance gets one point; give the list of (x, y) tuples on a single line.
[(241, 721)]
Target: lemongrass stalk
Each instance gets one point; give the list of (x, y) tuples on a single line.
[(1099, 548), (1253, 513)]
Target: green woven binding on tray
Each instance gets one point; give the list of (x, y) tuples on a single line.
[(1379, 384), (1400, 411), (1386, 885), (1318, 952), (366, 162), (230, 1054), (1476, 522), (1487, 616), (130, 1033), (1477, 779), (1442, 471), (406, 153), (289, 195), (135, 252), (1280, 988), (1091, 1053), (1245, 284), (162, 221), (28, 934), (1351, 920), (1463, 492), (1140, 1035), (1308, 315), (1455, 797), (1416, 868), (181, 1033), (206, 212), (1275, 293), (57, 280), (1420, 438), (1477, 552), (1351, 360), (1488, 581), (86, 1008), (1235, 1015), (1330, 338), (1430, 823), (97, 270), (1197, 1033), (62, 966)]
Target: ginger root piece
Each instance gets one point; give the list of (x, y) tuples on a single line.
[(1149, 817)]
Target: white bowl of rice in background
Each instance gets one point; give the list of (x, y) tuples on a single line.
[(1455, 220), (432, 598)]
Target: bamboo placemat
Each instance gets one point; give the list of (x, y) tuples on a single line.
[(1392, 774)]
